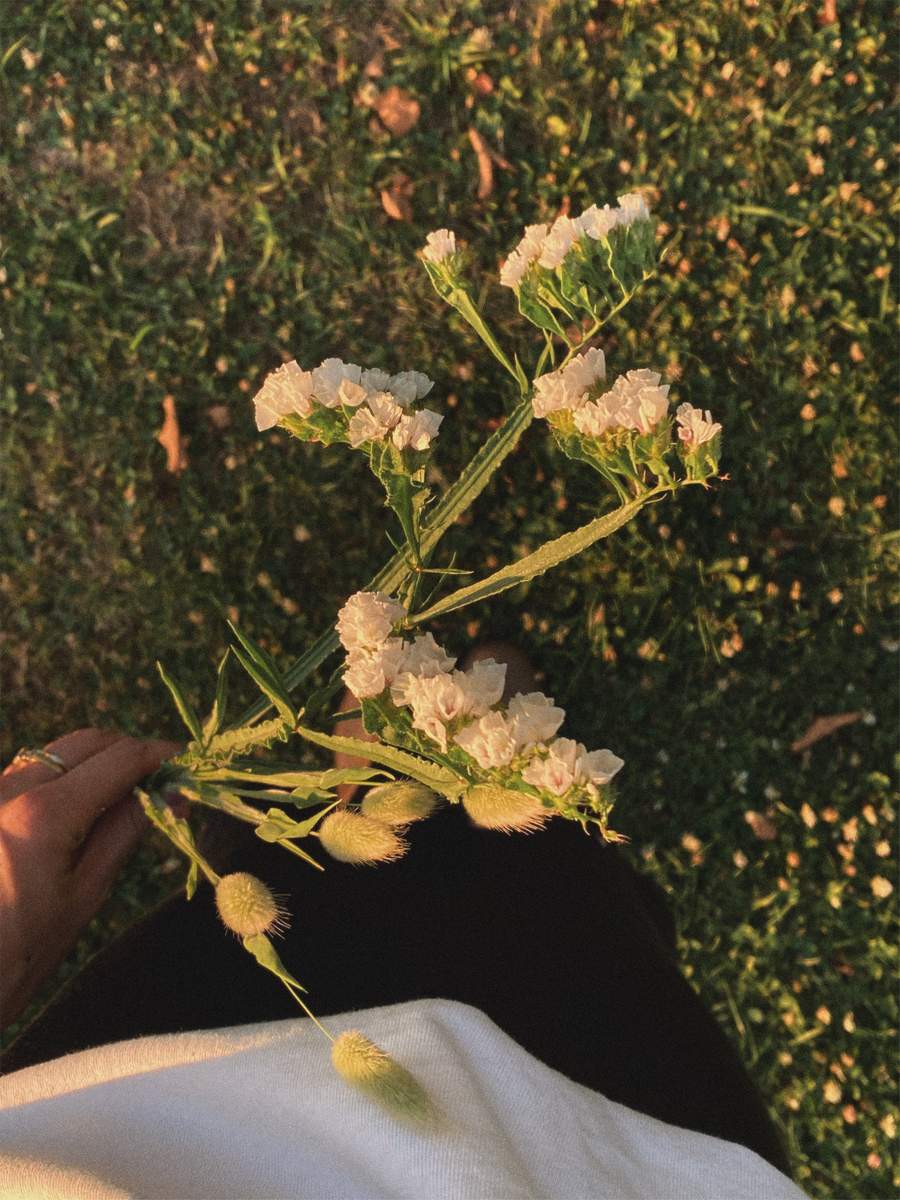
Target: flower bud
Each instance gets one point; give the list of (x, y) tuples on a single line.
[(501, 808), (350, 837), (399, 803), (367, 1067), (247, 906)]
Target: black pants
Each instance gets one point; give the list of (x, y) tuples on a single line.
[(554, 936)]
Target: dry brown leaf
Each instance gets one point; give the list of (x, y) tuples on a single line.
[(761, 825), (399, 111), (395, 198), (485, 165), (169, 437), (828, 12), (822, 727)]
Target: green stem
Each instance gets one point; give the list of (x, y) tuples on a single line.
[(471, 483)]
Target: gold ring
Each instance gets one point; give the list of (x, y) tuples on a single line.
[(29, 754)]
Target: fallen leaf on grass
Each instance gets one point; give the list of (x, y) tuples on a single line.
[(822, 727), (169, 437), (395, 198), (485, 164), (399, 111), (761, 825)]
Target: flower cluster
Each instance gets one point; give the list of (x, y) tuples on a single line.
[(635, 401), (368, 404), (460, 712), (547, 245)]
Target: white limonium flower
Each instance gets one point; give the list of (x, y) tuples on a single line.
[(555, 773), (598, 222), (286, 390), (567, 387), (371, 669), (563, 235), (645, 402), (635, 401), (533, 718), (328, 377), (695, 426), (416, 431), (482, 685), (439, 245), (597, 766), (407, 386), (528, 251), (632, 207), (366, 620), (374, 420), (489, 740)]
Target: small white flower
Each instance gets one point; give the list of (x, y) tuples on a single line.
[(435, 702), (370, 670), (534, 718), (374, 420), (598, 766), (559, 241), (407, 386), (373, 379), (416, 430), (366, 620), (286, 390), (598, 222), (482, 685), (528, 250), (423, 656), (439, 245), (632, 207), (695, 426), (488, 740), (551, 774), (635, 401), (567, 387), (328, 377), (351, 394)]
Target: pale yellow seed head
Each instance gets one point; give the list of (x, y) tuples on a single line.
[(350, 837), (371, 1070), (399, 803), (247, 906), (503, 809)]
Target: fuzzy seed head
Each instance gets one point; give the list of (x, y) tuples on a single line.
[(350, 837), (367, 1067), (246, 905), (503, 809), (399, 803)]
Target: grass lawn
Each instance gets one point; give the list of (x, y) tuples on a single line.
[(191, 194)]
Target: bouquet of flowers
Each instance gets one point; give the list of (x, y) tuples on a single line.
[(441, 735)]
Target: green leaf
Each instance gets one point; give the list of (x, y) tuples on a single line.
[(185, 709), (550, 555), (436, 777), (213, 722), (265, 954), (405, 496), (278, 825), (267, 682)]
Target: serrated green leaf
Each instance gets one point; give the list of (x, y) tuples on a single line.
[(185, 709), (550, 555), (436, 777), (266, 684), (248, 737), (213, 722)]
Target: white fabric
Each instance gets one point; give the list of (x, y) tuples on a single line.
[(257, 1111)]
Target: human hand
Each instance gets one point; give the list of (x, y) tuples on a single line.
[(63, 839)]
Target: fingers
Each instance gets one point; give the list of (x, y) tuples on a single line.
[(72, 748), (108, 847), (75, 800)]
